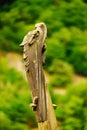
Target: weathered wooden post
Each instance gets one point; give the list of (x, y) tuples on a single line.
[(33, 54)]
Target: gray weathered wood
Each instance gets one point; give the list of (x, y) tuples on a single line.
[(33, 53)]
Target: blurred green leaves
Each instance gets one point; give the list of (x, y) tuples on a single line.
[(15, 113), (66, 22), (72, 109), (61, 73)]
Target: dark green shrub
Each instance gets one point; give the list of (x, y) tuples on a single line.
[(73, 113), (19, 126), (76, 49), (55, 50), (61, 73), (79, 59)]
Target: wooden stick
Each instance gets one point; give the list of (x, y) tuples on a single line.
[(33, 54), (50, 112), (44, 126)]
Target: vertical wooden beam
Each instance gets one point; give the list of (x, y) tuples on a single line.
[(51, 118), (33, 54), (44, 125)]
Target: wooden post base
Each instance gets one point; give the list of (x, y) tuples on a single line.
[(43, 125)]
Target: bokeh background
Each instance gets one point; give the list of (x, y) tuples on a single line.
[(66, 61)]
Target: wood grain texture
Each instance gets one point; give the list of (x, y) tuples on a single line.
[(43, 126), (33, 54), (51, 118)]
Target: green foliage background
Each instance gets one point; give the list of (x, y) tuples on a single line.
[(66, 56)]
